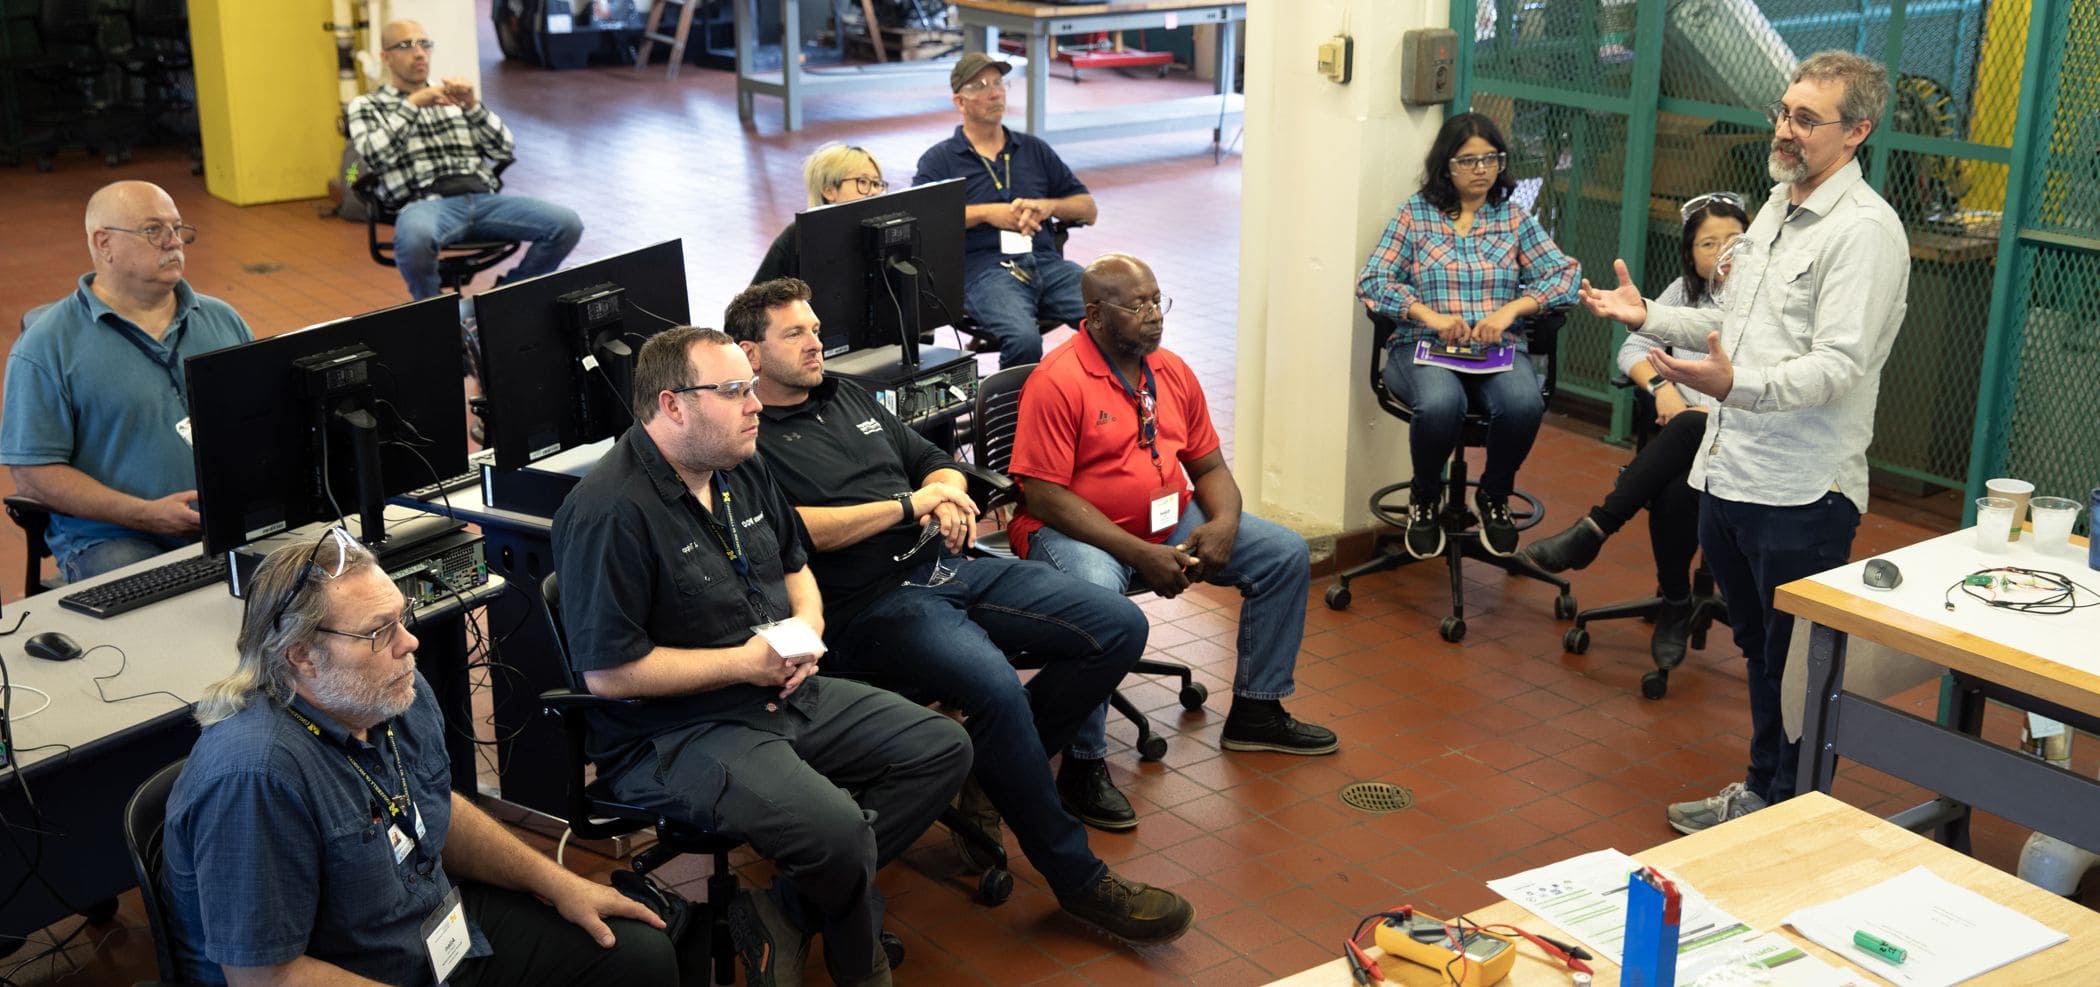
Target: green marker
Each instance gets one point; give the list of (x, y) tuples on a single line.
[(1888, 952)]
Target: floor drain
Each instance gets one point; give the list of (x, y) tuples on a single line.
[(1377, 796)]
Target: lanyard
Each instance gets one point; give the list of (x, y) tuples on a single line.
[(1006, 162), (1147, 402), (733, 549), (396, 805), (172, 367)]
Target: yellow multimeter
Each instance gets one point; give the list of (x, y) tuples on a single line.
[(1435, 944)]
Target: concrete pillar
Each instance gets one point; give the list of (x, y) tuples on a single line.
[(1326, 167)]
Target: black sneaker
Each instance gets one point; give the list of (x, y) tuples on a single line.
[(1571, 549), (773, 949), (1086, 790), (1673, 627), (1138, 914), (977, 808), (1268, 727), (1498, 531), (1425, 533)]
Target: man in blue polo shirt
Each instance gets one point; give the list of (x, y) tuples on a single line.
[(1012, 272), (97, 412)]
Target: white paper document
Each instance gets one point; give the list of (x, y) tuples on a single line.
[(1950, 933)]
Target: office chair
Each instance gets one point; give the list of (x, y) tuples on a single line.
[(994, 418), (159, 61), (143, 816), (34, 519), (458, 263), (67, 92), (979, 340), (1543, 332), (1707, 605)]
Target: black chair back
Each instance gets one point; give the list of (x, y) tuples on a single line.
[(143, 817), (996, 416), (35, 521)]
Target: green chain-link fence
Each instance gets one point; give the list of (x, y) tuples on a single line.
[(1674, 87)]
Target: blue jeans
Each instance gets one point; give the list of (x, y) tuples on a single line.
[(96, 558), (1273, 571), (1008, 307), (1752, 550), (945, 635), (423, 228), (1440, 398)]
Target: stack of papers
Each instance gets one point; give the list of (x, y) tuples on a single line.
[(1950, 933)]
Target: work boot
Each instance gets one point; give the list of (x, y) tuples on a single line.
[(1086, 790), (1425, 533), (1138, 914), (1264, 725), (1498, 530), (1571, 549), (1673, 627), (869, 971), (976, 808), (773, 949)]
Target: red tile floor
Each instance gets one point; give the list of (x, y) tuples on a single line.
[(1516, 753)]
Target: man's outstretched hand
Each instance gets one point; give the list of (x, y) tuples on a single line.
[(1622, 304)]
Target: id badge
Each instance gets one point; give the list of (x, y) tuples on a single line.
[(182, 429), (1166, 509), (445, 935), (1014, 243), (403, 846), (420, 832)]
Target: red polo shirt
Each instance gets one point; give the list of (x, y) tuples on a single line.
[(1079, 429)]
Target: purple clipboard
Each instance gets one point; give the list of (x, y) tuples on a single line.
[(1465, 360)]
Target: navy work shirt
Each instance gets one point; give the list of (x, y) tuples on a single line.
[(1026, 168)]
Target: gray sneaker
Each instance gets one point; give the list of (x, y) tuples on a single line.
[(1734, 802)]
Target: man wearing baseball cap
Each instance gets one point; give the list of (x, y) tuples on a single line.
[(1012, 272)]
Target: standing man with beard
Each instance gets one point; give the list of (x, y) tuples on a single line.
[(1817, 297), (96, 422)]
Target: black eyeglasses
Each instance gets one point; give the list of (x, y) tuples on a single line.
[(1480, 162), (411, 44), (866, 186), (309, 567), (160, 235), (732, 390), (1776, 111)]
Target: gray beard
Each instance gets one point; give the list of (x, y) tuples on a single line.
[(1783, 172)]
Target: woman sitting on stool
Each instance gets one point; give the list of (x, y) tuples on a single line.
[(1656, 477), (1460, 263)]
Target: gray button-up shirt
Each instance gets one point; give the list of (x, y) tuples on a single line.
[(1812, 308)]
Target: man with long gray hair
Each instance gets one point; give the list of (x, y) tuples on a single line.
[(313, 836)]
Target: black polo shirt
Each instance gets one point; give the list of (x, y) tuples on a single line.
[(1027, 168), (837, 449), (643, 564)]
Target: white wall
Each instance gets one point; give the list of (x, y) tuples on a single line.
[(1326, 167)]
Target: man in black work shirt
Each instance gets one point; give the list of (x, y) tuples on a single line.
[(885, 512), (677, 557)]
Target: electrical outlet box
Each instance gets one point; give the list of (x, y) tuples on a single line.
[(1428, 65), (1337, 58)]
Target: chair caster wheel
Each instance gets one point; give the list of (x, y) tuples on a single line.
[(101, 912), (1576, 640), (1564, 607), (1152, 748), (1452, 629), (1338, 597), (1193, 696), (995, 886), (893, 948), (1698, 641), (1655, 684)]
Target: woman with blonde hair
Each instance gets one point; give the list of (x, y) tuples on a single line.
[(835, 172)]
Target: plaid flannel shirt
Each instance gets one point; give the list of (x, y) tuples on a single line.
[(1421, 258), (411, 147)]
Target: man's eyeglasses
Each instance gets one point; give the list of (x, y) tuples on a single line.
[(866, 186), (412, 44), (342, 542), (1776, 110), (984, 86), (1161, 306), (383, 638), (1695, 203), (1480, 162), (732, 390), (160, 235)]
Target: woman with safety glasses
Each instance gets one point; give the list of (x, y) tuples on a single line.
[(1656, 477), (1458, 266), (836, 173)]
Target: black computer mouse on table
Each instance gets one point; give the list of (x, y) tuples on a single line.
[(1881, 574), (53, 646)]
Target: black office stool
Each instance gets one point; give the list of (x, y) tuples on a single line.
[(1461, 540)]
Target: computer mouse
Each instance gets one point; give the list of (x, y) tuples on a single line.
[(53, 646), (1881, 574)]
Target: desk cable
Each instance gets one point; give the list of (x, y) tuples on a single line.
[(2060, 591)]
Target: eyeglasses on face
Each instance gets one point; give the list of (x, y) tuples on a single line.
[(984, 85), (383, 637), (1697, 202), (865, 186), (1159, 305), (159, 234), (1776, 111), (341, 538), (1480, 162), (731, 390), (411, 44)]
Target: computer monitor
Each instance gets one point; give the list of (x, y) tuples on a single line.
[(327, 421), (557, 351), (871, 264)]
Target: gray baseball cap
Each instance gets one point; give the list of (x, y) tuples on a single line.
[(970, 65)]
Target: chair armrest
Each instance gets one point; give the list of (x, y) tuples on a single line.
[(567, 702), (1542, 330), (987, 488)]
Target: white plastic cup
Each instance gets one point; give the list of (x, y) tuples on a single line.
[(2013, 490), (2053, 518), (1994, 517)]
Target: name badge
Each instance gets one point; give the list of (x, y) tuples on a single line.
[(420, 832), (1166, 509), (445, 935), (1014, 243), (182, 428), (403, 846)]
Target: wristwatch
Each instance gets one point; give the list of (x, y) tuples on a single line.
[(904, 501), (1656, 383)]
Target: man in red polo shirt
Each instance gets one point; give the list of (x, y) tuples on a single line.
[(1125, 479)]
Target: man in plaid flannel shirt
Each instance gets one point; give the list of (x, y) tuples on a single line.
[(430, 145)]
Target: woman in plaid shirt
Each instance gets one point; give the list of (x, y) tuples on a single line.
[(1461, 264)]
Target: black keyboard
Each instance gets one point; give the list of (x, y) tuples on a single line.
[(152, 586), (449, 484)]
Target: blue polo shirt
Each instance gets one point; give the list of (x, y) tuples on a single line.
[(88, 388), (1025, 169), (277, 847)]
